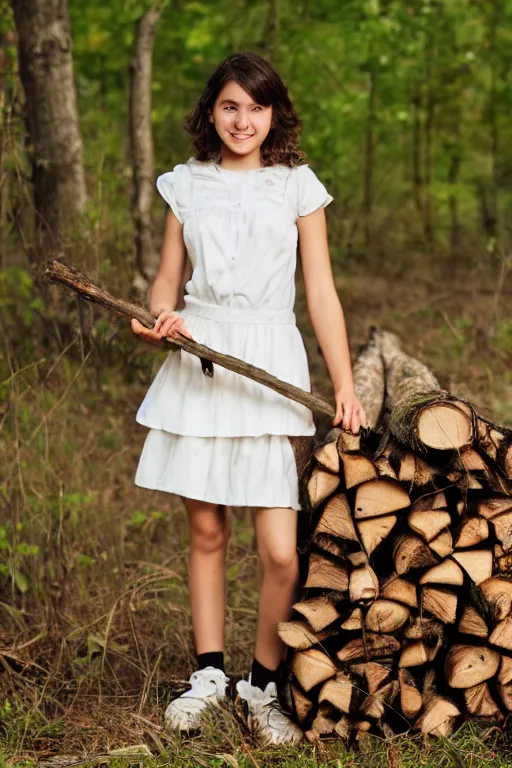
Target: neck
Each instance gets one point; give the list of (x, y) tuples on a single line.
[(233, 162)]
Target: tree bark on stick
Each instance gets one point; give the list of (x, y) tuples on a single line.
[(70, 277), (46, 71), (141, 141)]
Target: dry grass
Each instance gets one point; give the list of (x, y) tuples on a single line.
[(95, 629)]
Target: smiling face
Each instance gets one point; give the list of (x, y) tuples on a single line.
[(242, 125)]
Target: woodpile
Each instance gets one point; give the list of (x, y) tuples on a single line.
[(405, 618)]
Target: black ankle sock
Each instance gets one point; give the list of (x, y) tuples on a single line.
[(261, 676), (212, 659)]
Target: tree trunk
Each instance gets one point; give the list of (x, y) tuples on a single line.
[(417, 181), (369, 156), (493, 126), (453, 177), (141, 141), (272, 35), (46, 71)]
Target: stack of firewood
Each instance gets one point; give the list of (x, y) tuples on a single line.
[(406, 614)]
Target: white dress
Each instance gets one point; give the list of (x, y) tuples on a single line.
[(225, 439)]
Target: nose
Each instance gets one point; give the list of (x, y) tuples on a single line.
[(242, 120)]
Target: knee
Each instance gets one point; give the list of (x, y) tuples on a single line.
[(209, 536), (281, 561)]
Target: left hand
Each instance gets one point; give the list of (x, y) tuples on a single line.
[(349, 411)]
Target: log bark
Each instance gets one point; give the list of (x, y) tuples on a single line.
[(368, 375)]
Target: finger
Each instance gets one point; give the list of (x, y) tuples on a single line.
[(168, 325), (338, 415), (347, 416), (354, 427)]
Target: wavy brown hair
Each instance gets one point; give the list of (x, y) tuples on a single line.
[(261, 81)]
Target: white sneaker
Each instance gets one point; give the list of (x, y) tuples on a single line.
[(208, 686), (266, 719)]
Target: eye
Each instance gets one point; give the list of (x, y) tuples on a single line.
[(230, 107)]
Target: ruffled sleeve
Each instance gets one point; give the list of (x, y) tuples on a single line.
[(166, 185), (311, 193)]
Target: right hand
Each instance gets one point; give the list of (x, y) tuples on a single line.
[(166, 326)]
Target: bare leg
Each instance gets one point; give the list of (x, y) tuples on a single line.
[(209, 534), (276, 532)]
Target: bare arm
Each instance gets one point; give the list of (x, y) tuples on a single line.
[(327, 317), (164, 296), (167, 283)]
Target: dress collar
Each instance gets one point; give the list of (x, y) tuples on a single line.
[(197, 165)]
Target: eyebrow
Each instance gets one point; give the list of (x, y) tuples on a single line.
[(236, 103)]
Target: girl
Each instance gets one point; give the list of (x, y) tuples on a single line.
[(237, 208)]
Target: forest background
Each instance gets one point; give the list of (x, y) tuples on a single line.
[(406, 112)]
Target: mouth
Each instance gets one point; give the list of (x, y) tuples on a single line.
[(241, 136)]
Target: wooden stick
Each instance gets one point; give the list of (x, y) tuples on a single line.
[(58, 271)]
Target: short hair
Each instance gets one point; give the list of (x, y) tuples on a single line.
[(261, 81)]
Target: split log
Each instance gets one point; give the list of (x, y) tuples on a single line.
[(322, 725), (312, 667), (505, 694), (301, 703), (386, 616), (410, 698), (336, 519), (348, 442), (330, 544), (410, 552), (471, 623), (442, 545), (321, 484), (440, 603), (374, 705), (363, 584), (505, 673), (324, 574), (337, 692), (297, 634), (417, 653), (379, 497), (439, 717), (327, 455), (429, 523), (468, 665), (374, 530), (357, 469), (497, 592), (472, 531), (476, 563), (503, 529), (376, 675), (370, 646), (400, 590), (447, 572), (424, 628), (479, 701), (502, 634), (492, 507), (354, 621), (319, 612)]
